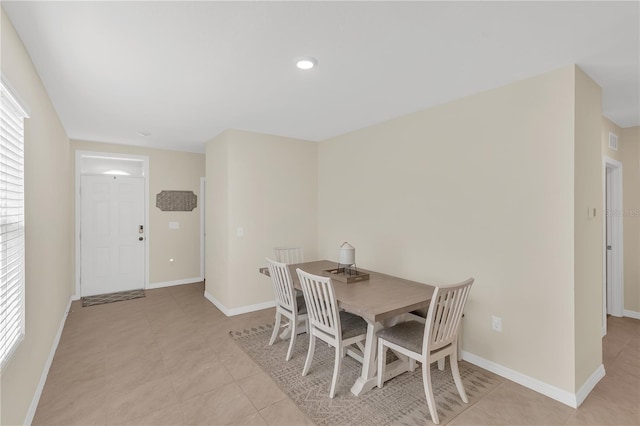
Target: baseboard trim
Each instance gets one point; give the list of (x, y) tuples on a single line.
[(216, 303), (588, 386), (238, 311), (553, 392), (631, 314), (45, 371), (176, 282)]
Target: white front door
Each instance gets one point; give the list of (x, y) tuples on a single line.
[(111, 234)]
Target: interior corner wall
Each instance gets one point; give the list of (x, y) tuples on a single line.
[(48, 231), (217, 220), (261, 193), (273, 198), (483, 187), (168, 170), (588, 241), (629, 140)]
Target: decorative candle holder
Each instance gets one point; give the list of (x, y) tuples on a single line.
[(346, 272), (347, 259)]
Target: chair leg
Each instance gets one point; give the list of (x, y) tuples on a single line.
[(412, 365), (294, 333), (455, 371), (382, 358), (428, 391), (276, 328), (312, 348), (336, 370), (441, 364)]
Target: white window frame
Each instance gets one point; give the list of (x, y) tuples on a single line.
[(12, 241)]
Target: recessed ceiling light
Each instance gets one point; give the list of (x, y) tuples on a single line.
[(143, 134), (306, 63)]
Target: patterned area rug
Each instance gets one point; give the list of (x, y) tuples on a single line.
[(112, 297), (400, 402)]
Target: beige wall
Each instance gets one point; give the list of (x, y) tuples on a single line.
[(588, 238), (629, 141), (168, 170), (217, 220), (269, 186), (483, 187), (48, 230)]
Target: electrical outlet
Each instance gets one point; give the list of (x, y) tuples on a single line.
[(496, 323)]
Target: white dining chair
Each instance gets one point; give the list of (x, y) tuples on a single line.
[(287, 303), (289, 255), (339, 329), (430, 341)]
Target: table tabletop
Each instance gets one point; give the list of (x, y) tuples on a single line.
[(376, 299)]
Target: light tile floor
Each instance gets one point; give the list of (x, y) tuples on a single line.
[(167, 359)]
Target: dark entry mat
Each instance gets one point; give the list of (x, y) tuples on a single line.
[(111, 297)]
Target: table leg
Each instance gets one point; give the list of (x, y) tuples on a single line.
[(286, 330), (286, 333), (367, 379)]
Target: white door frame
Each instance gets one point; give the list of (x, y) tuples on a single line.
[(615, 289), (202, 228), (145, 160)]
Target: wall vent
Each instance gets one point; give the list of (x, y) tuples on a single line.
[(613, 141)]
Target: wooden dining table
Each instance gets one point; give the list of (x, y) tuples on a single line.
[(382, 301)]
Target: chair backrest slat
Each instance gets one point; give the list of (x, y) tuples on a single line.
[(289, 255), (282, 285), (321, 303), (444, 316)]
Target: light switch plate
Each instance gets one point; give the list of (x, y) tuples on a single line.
[(174, 225), (496, 323)]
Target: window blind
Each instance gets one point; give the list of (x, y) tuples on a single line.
[(12, 318)]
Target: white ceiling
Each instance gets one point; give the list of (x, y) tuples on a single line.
[(186, 71)]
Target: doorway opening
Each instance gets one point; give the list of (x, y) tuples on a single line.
[(203, 234), (613, 279)]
